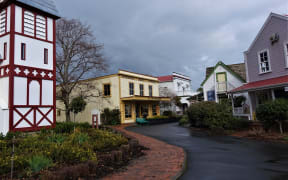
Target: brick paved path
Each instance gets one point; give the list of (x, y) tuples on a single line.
[(162, 161)]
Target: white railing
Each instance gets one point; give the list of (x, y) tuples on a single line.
[(238, 110), (185, 93)]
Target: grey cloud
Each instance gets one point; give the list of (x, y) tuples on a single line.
[(159, 37)]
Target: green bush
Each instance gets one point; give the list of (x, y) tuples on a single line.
[(212, 115), (110, 117), (184, 120), (167, 113), (68, 127), (61, 148), (272, 113), (38, 163), (238, 124)]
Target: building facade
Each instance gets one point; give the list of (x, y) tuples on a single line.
[(27, 65), (175, 85), (221, 79), (135, 95), (266, 61)]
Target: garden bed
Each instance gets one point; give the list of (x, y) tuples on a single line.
[(63, 152)]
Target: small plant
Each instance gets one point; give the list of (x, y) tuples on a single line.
[(38, 163), (110, 117), (56, 138), (286, 138)]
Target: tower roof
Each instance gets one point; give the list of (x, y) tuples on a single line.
[(47, 6)]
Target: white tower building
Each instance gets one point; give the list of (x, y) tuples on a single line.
[(27, 65)]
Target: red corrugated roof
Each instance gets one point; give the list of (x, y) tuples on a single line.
[(283, 80), (165, 78)]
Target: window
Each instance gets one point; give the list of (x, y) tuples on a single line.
[(264, 64), (29, 23), (5, 51), (141, 87), (107, 90), (286, 53), (58, 112), (154, 110), (23, 51), (34, 25), (150, 90), (128, 110), (3, 22), (45, 56), (40, 27), (131, 88)]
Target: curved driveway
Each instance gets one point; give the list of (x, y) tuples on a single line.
[(222, 157)]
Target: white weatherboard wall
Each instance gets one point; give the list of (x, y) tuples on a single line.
[(211, 83), (34, 53), (5, 39), (47, 94), (4, 112), (20, 91)]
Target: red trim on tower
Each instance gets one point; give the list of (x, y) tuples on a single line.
[(54, 72), (23, 12), (46, 24), (11, 67), (22, 34), (5, 51)]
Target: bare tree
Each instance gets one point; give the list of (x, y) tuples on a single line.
[(78, 56)]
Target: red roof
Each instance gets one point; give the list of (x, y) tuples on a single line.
[(165, 78), (283, 80)]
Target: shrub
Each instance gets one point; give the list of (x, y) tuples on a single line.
[(167, 113), (238, 124), (159, 117), (68, 127), (110, 117), (38, 163), (212, 115), (271, 113), (184, 120)]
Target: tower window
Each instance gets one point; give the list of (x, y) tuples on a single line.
[(5, 51), (23, 51), (29, 23), (45, 56), (40, 27), (3, 22)]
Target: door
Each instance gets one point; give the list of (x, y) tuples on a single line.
[(221, 82), (95, 122)]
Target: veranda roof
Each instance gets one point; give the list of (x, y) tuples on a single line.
[(264, 84)]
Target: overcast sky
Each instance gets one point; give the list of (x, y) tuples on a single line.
[(159, 37)]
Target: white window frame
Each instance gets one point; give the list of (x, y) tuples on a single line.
[(286, 53), (259, 61)]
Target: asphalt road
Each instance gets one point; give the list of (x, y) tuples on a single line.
[(222, 157)]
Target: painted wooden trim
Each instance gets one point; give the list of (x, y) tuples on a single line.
[(11, 67), (259, 61), (217, 80)]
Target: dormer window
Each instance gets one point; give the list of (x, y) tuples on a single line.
[(264, 61)]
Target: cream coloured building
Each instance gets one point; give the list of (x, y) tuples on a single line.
[(132, 93)]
